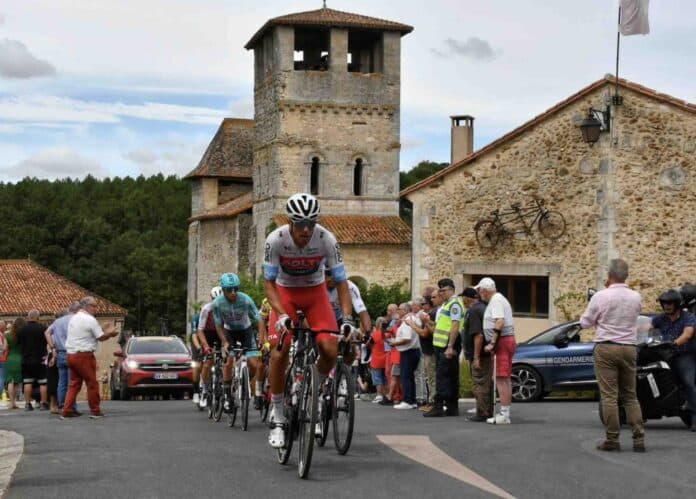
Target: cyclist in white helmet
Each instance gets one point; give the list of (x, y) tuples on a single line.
[(293, 266), (207, 338)]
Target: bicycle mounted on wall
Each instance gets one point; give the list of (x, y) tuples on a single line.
[(519, 220)]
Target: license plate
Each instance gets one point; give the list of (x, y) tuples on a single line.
[(166, 376)]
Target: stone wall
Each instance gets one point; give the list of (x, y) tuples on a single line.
[(634, 201), (384, 264)]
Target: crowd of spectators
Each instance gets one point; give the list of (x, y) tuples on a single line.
[(417, 347), (51, 363)]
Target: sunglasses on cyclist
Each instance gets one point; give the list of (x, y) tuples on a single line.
[(232, 289), (305, 224)]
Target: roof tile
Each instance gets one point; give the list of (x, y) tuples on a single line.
[(229, 209), (26, 285), (230, 153), (329, 18), (363, 229)]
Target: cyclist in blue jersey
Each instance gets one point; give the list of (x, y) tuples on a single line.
[(234, 312)]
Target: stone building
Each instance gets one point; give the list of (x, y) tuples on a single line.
[(25, 285), (326, 121), (631, 195)]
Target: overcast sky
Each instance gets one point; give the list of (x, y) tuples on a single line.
[(124, 87)]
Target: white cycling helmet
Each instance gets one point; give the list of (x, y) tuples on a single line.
[(215, 292), (302, 207)]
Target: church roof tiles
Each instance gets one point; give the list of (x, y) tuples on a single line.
[(363, 229), (230, 153), (229, 209), (329, 18)]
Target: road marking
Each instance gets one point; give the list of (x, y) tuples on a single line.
[(421, 449), (11, 449)]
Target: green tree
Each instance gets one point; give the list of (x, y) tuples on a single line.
[(421, 171)]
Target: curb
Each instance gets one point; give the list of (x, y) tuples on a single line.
[(11, 450)]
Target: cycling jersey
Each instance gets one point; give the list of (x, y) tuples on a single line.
[(293, 267), (358, 304), (206, 322), (235, 316)]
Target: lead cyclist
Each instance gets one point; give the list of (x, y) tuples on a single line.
[(294, 259)]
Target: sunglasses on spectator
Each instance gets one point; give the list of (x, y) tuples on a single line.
[(232, 289), (305, 224)]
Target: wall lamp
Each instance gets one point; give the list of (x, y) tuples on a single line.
[(597, 121)]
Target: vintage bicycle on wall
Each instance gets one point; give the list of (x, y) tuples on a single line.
[(519, 220)]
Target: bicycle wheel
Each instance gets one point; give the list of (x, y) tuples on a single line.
[(200, 386), (265, 400), (343, 409), (232, 413), (290, 412), (552, 225), (486, 233), (210, 400), (325, 403), (217, 398), (244, 398), (309, 401)]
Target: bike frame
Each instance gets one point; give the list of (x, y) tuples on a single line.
[(519, 215)]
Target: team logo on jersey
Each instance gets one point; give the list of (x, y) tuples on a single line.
[(300, 265), (339, 255)]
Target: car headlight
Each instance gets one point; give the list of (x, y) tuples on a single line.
[(132, 364), (195, 364)]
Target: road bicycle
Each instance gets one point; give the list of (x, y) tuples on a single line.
[(519, 220), (240, 388), (215, 387), (338, 401), (300, 396)]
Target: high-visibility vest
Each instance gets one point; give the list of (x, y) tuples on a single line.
[(444, 323)]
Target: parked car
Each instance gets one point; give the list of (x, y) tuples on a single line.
[(558, 359), (151, 365)]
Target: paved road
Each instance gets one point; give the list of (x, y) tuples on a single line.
[(166, 449)]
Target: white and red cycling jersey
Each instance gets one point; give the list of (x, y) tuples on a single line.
[(299, 277), (292, 267)]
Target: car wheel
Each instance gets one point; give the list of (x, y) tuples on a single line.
[(125, 393), (115, 394), (526, 384)]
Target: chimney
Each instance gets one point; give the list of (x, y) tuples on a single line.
[(462, 137)]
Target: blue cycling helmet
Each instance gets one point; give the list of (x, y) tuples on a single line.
[(229, 280)]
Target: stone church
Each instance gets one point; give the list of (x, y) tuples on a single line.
[(326, 121)]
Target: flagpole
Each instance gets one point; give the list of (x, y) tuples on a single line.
[(618, 44)]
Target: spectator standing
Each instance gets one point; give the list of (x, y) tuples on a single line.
[(499, 332), (4, 352), (56, 335), (13, 365), (614, 312), (83, 334), (429, 357), (677, 325), (421, 385), (407, 343), (104, 380), (378, 360), (481, 363), (447, 346), (33, 345)]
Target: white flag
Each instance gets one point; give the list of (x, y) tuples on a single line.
[(634, 17)]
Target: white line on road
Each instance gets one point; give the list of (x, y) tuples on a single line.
[(11, 449), (420, 448)]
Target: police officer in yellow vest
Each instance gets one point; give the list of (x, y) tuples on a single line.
[(447, 345)]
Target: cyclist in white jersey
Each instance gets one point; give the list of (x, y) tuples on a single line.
[(294, 259)]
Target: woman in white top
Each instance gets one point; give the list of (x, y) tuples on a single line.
[(407, 342)]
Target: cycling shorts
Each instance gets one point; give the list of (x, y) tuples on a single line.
[(246, 338), (212, 338), (314, 302)]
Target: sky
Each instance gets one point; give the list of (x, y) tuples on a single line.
[(129, 87)]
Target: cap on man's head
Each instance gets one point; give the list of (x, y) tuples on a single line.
[(486, 283), (469, 293)]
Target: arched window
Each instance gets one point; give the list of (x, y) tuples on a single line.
[(358, 177), (314, 176)]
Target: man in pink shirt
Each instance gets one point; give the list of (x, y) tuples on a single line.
[(614, 312)]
